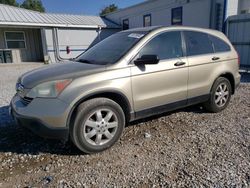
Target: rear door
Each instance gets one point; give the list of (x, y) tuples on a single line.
[(201, 58), (204, 52), (163, 83)]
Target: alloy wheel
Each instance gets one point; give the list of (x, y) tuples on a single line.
[(221, 95), (100, 127)]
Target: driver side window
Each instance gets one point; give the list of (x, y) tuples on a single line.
[(166, 46)]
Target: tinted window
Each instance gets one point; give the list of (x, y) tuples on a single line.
[(165, 46), (198, 43), (219, 45)]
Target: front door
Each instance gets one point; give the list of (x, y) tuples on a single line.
[(163, 84)]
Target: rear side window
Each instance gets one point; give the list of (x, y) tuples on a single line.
[(219, 45), (166, 46), (198, 43)]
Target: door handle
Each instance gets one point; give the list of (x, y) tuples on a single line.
[(215, 58), (179, 63)]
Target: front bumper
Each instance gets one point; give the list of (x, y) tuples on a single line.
[(45, 123)]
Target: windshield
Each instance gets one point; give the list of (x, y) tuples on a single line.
[(111, 49)]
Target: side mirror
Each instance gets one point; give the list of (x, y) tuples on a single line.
[(147, 59)]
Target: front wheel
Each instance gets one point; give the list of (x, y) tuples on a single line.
[(98, 125), (220, 95)]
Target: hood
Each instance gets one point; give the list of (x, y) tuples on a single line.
[(58, 71)]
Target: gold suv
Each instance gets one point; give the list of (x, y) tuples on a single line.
[(131, 75)]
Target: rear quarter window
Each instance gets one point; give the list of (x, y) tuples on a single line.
[(219, 45), (198, 43)]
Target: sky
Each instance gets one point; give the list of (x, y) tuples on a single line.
[(90, 7)]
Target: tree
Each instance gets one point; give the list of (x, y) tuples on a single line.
[(9, 2), (33, 5), (108, 9)]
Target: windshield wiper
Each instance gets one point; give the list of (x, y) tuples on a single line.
[(84, 61)]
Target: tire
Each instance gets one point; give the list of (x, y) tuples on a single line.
[(220, 95), (99, 123)]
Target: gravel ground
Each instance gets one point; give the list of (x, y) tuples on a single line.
[(185, 148)]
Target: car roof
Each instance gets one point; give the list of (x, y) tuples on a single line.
[(143, 29), (155, 28)]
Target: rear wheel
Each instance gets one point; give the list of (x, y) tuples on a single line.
[(220, 95), (98, 125)]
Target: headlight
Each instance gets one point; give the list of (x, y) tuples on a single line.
[(48, 89)]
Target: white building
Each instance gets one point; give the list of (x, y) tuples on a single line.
[(229, 16), (30, 36), (198, 13), (235, 7)]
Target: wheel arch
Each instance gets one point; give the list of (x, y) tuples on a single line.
[(116, 96), (231, 79)]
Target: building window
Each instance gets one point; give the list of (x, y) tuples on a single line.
[(125, 24), (15, 40), (177, 16), (245, 11), (147, 20)]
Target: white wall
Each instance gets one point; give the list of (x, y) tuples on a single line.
[(244, 5), (232, 7), (49, 44), (235, 7), (77, 39), (195, 13)]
